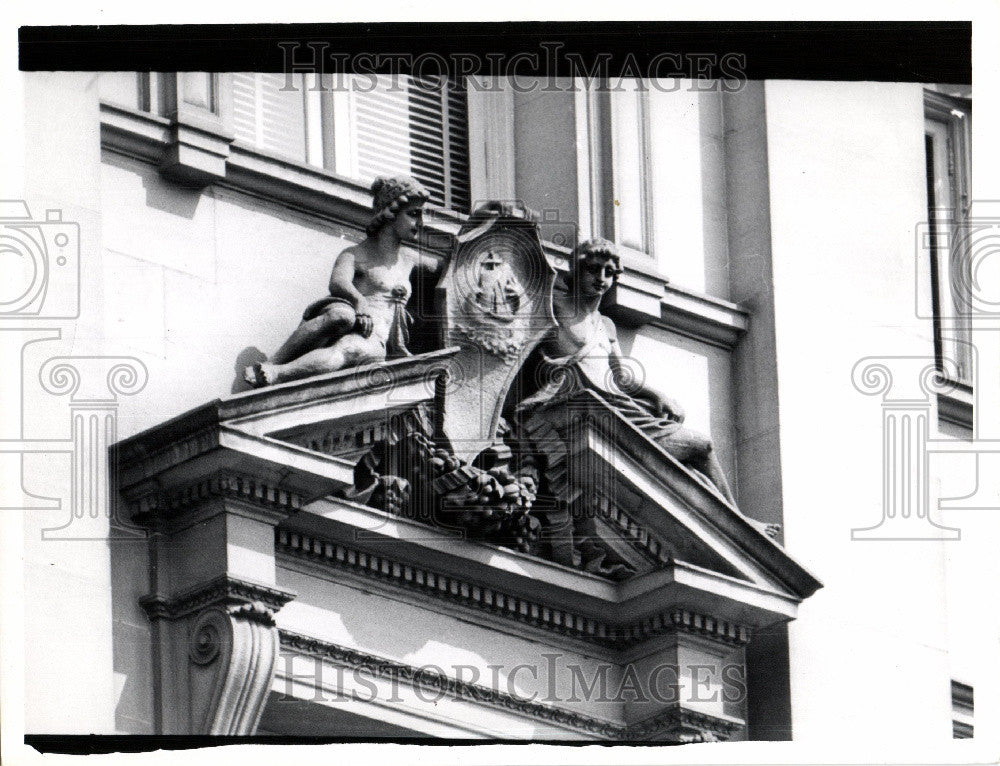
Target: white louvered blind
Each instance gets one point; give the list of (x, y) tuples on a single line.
[(419, 128), (401, 126), (269, 117)]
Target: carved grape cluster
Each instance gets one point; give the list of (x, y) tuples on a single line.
[(490, 503)]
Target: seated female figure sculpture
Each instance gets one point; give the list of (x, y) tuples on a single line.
[(583, 353), (364, 318)]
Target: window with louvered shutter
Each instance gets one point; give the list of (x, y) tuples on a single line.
[(268, 116), (415, 127), (402, 125)]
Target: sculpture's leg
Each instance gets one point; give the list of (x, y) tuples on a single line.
[(350, 351), (696, 450), (334, 322), (712, 468)]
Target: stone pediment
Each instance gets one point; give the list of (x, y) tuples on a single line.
[(398, 491), (264, 475), (303, 437), (654, 502)]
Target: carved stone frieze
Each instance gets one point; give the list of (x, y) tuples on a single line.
[(675, 725)]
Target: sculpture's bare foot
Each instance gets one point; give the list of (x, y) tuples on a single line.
[(771, 530), (255, 375)]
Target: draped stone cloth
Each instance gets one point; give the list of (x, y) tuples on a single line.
[(570, 374), (392, 322)]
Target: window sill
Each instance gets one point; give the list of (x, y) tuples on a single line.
[(955, 406), (642, 297)]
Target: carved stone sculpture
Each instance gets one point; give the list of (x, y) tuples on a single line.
[(495, 303), (583, 353), (411, 475), (364, 319)]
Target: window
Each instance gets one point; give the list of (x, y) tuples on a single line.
[(362, 127), (616, 123), (947, 138), (646, 141), (270, 117)]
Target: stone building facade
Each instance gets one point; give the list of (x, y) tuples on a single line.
[(770, 255)]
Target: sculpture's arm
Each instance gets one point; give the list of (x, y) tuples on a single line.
[(342, 279), (431, 264), (632, 384), (342, 286)]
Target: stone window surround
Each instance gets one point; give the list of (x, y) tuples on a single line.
[(195, 147), (956, 405)]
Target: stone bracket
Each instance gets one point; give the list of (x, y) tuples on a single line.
[(199, 104), (232, 658)]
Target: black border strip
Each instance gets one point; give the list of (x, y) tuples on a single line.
[(94, 744), (894, 51)]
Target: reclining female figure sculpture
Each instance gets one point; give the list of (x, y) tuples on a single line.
[(364, 318), (583, 353)]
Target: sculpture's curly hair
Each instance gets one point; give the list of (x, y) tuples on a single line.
[(389, 196), (597, 247)]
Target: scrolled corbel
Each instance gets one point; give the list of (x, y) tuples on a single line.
[(233, 653)]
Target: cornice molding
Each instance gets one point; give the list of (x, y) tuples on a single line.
[(222, 591), (676, 724), (200, 430), (223, 484), (480, 598), (686, 725), (177, 448)]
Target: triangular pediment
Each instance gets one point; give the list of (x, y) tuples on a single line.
[(623, 530), (660, 506), (655, 511)]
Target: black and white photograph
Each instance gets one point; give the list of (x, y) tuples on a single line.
[(421, 386)]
